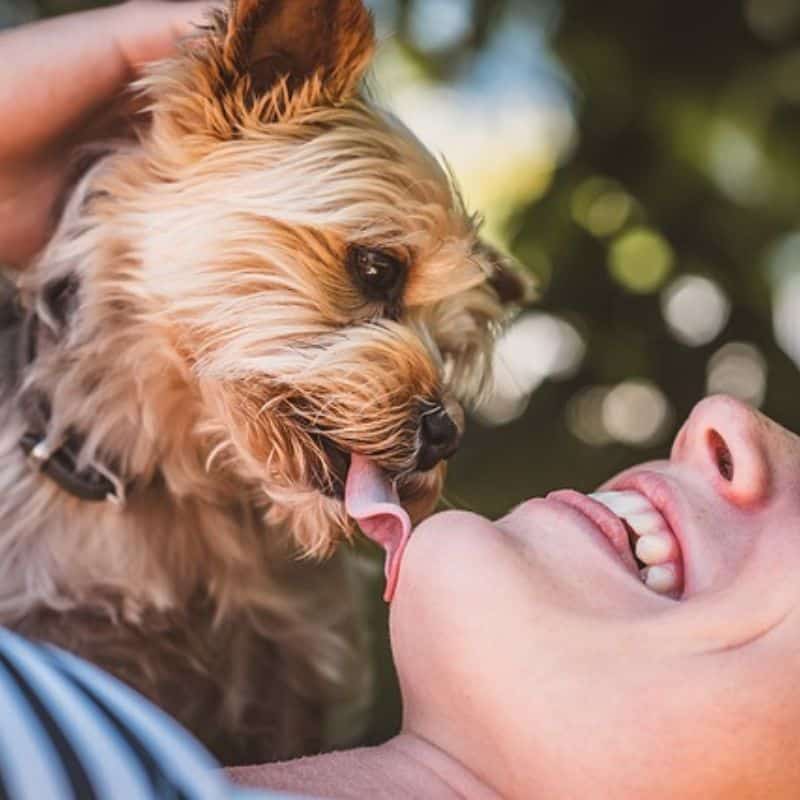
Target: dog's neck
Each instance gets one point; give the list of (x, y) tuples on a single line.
[(184, 530), (115, 377), (106, 407)]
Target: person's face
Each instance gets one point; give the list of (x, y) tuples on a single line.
[(533, 651)]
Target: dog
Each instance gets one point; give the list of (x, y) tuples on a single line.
[(274, 275)]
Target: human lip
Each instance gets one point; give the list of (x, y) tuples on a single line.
[(638, 533), (603, 519), (663, 497)]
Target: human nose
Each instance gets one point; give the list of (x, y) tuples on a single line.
[(730, 443)]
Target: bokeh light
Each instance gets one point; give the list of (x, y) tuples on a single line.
[(740, 370), (585, 418), (437, 24), (601, 206), (695, 309), (773, 20), (504, 123), (637, 413), (640, 260), (536, 347), (738, 165), (783, 264)]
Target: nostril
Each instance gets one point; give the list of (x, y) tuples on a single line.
[(721, 455)]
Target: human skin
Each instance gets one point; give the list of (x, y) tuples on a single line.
[(60, 84), (533, 664)]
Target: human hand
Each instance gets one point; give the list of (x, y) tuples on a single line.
[(59, 81)]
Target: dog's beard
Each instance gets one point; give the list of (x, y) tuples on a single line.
[(360, 391)]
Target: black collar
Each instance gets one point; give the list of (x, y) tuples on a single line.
[(56, 459)]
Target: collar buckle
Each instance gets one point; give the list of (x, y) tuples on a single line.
[(58, 458), (59, 462)]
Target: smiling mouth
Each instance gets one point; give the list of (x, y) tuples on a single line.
[(638, 533)]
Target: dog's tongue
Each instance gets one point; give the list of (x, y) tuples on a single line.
[(372, 501)]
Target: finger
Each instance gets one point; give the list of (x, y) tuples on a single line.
[(26, 200), (55, 73), (152, 29)]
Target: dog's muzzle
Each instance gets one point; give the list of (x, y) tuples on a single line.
[(438, 437)]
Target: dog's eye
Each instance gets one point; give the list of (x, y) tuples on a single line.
[(379, 275)]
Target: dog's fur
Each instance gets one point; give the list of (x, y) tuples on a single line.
[(215, 336)]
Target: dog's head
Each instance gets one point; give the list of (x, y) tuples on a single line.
[(328, 289)]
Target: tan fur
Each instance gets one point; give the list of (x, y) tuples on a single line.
[(217, 333)]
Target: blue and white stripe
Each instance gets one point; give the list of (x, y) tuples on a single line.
[(69, 731)]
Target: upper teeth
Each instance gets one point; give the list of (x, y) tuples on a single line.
[(656, 545)]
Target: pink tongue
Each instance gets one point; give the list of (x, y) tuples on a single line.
[(372, 501)]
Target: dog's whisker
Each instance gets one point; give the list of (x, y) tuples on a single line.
[(215, 454)]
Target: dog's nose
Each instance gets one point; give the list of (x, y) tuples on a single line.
[(440, 437)]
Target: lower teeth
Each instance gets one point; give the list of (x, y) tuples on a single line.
[(662, 578)]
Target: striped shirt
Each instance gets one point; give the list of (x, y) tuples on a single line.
[(69, 731)]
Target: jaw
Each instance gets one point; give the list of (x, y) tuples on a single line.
[(301, 474)]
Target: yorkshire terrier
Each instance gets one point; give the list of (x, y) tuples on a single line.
[(275, 275)]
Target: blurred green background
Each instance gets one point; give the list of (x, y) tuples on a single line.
[(642, 159)]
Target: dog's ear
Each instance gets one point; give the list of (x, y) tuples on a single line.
[(262, 61), (514, 287), (269, 42)]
